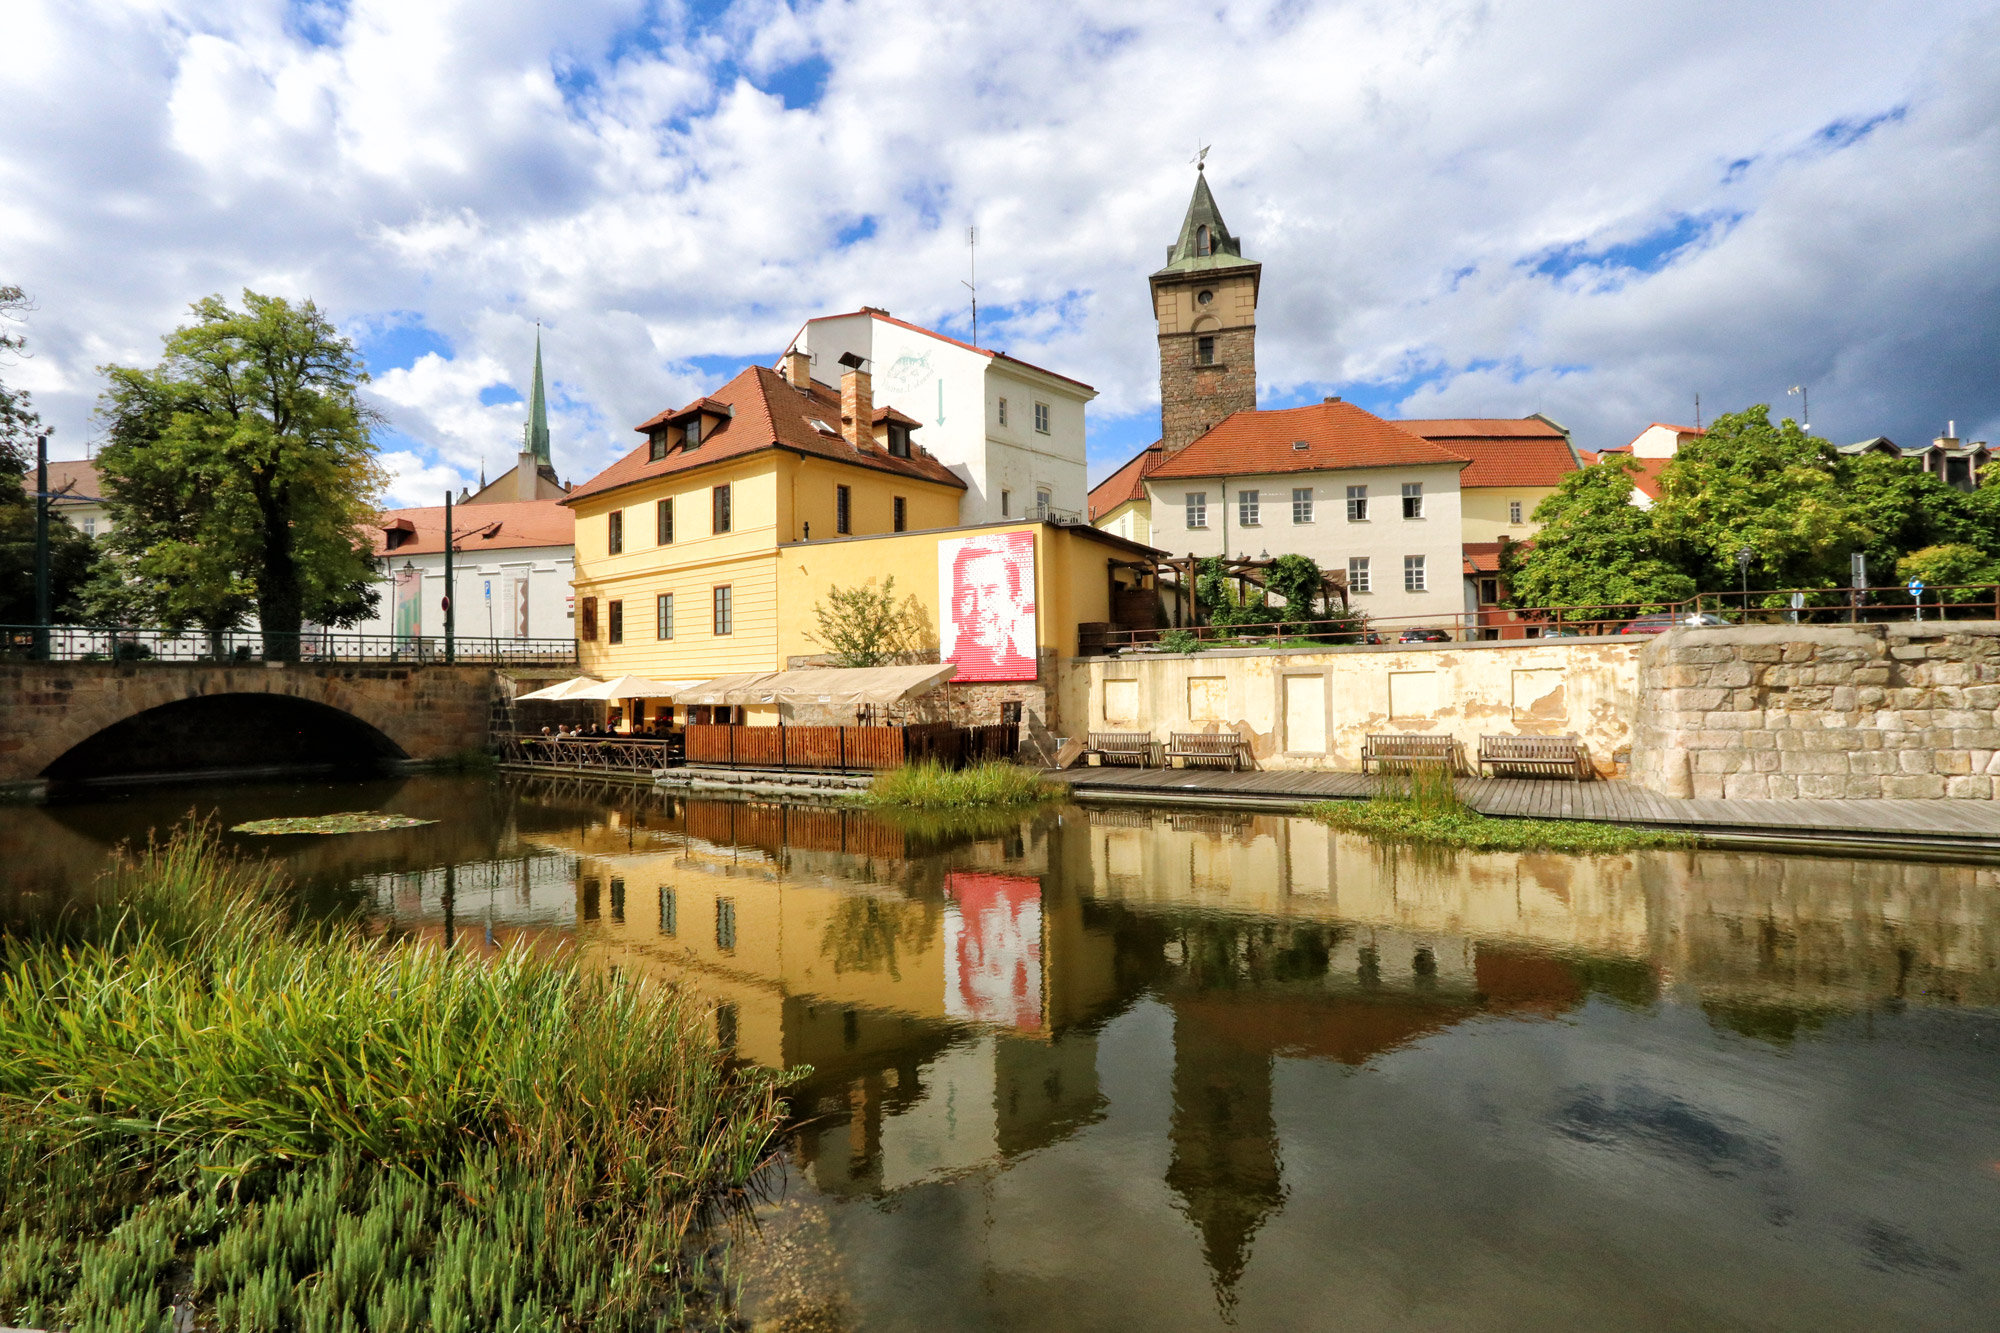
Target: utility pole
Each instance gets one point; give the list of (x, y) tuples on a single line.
[(448, 645), (43, 612), (972, 253), (1805, 405)]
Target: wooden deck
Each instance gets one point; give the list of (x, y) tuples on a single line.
[(1956, 830)]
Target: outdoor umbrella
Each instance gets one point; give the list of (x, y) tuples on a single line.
[(570, 689), (630, 687)]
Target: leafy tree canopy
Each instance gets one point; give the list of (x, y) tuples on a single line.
[(72, 556), (865, 626), (1596, 549), (1770, 489), (1944, 568), (239, 471)]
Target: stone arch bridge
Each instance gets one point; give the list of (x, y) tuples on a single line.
[(72, 721)]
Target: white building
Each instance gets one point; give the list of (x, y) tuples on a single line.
[(512, 564), (1012, 431), (1358, 494)]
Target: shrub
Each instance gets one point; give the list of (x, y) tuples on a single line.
[(933, 787)]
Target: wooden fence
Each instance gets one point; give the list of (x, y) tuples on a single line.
[(849, 747)]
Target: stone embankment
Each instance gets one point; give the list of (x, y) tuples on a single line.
[(1905, 711)]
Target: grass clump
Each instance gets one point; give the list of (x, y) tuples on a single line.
[(1421, 804), (203, 1106), (990, 785)]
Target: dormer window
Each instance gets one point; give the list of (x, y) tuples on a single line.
[(656, 445), (691, 433), (899, 440), (1201, 242)]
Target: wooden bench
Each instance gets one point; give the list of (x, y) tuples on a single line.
[(1206, 747), (1124, 747), (1551, 756), (1403, 751)]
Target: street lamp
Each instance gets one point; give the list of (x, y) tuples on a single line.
[(1805, 405), (1743, 571)]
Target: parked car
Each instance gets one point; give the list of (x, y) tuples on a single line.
[(1661, 622), (1424, 634)]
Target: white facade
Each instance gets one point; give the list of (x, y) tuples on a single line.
[(1397, 550), (1012, 457), (515, 593)]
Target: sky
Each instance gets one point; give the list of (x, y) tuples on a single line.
[(1592, 211)]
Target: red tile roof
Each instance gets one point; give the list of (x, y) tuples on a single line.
[(1484, 557), (768, 414), (1505, 451), (78, 475), (1336, 435), (476, 528), (1648, 478), (888, 318), (1127, 483)]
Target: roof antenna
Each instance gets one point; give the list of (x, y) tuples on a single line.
[(1697, 411), (972, 258)]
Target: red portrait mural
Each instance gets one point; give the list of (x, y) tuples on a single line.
[(986, 586), (993, 949)]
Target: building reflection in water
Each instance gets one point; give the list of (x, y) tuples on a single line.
[(946, 991)]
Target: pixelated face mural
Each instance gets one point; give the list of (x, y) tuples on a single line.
[(987, 590)]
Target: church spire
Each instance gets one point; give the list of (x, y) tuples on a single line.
[(1204, 243), (538, 410)]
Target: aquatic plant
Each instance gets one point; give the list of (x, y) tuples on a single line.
[(348, 821), (986, 785), (318, 1129), (1421, 804)]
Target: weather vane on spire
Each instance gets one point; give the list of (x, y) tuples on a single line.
[(1200, 158)]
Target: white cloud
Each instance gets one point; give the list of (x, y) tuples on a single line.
[(1397, 167)]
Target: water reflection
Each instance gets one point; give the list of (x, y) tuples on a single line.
[(1061, 1064)]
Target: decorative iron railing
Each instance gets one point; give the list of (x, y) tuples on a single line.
[(136, 645)]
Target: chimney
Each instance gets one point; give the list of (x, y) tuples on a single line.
[(857, 402), (798, 369), (527, 472)]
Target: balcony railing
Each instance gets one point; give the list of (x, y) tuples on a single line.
[(132, 644)]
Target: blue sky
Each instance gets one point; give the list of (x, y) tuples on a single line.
[(1592, 212)]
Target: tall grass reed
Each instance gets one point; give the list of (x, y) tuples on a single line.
[(285, 1128), (988, 785)]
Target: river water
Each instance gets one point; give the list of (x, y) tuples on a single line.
[(1123, 1069)]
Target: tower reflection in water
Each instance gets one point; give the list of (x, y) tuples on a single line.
[(947, 990)]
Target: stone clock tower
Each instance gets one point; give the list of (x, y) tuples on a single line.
[(1205, 300)]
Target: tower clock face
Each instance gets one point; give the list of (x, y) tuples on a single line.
[(1204, 298)]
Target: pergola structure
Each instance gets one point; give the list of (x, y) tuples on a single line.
[(1178, 575)]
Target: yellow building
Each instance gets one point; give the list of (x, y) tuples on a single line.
[(707, 549), (1516, 464)]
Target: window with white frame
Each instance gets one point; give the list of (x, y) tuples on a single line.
[(1003, 411), (1041, 418), (1247, 508), (1357, 574), (1302, 504), (1413, 499), (1357, 504), (1513, 511), (1413, 573), (1197, 509)]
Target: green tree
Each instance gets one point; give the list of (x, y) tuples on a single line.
[(1944, 569), (239, 471), (1596, 549), (1773, 490), (72, 556), (1902, 508), (865, 626)]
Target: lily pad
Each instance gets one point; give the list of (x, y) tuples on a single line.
[(351, 821)]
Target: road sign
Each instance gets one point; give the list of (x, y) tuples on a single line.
[(489, 590), (1916, 587)]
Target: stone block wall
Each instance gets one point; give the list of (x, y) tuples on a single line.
[(1905, 711), (1192, 397)]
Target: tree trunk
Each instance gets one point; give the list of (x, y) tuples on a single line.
[(280, 600)]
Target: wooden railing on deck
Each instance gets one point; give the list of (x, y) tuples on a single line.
[(849, 747)]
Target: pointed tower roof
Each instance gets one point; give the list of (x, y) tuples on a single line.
[(537, 442), (1224, 250)]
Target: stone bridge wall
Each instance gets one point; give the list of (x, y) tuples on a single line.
[(1909, 711), (429, 712)]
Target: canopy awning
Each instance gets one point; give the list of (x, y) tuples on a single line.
[(567, 689), (624, 687), (633, 687), (833, 688)]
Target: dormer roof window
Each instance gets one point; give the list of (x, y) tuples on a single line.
[(691, 433), (1202, 244)]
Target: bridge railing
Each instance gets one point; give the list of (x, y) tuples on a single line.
[(137, 645)]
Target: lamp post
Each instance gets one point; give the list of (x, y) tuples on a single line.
[(447, 579), (43, 612), (1805, 405), (1743, 572)]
